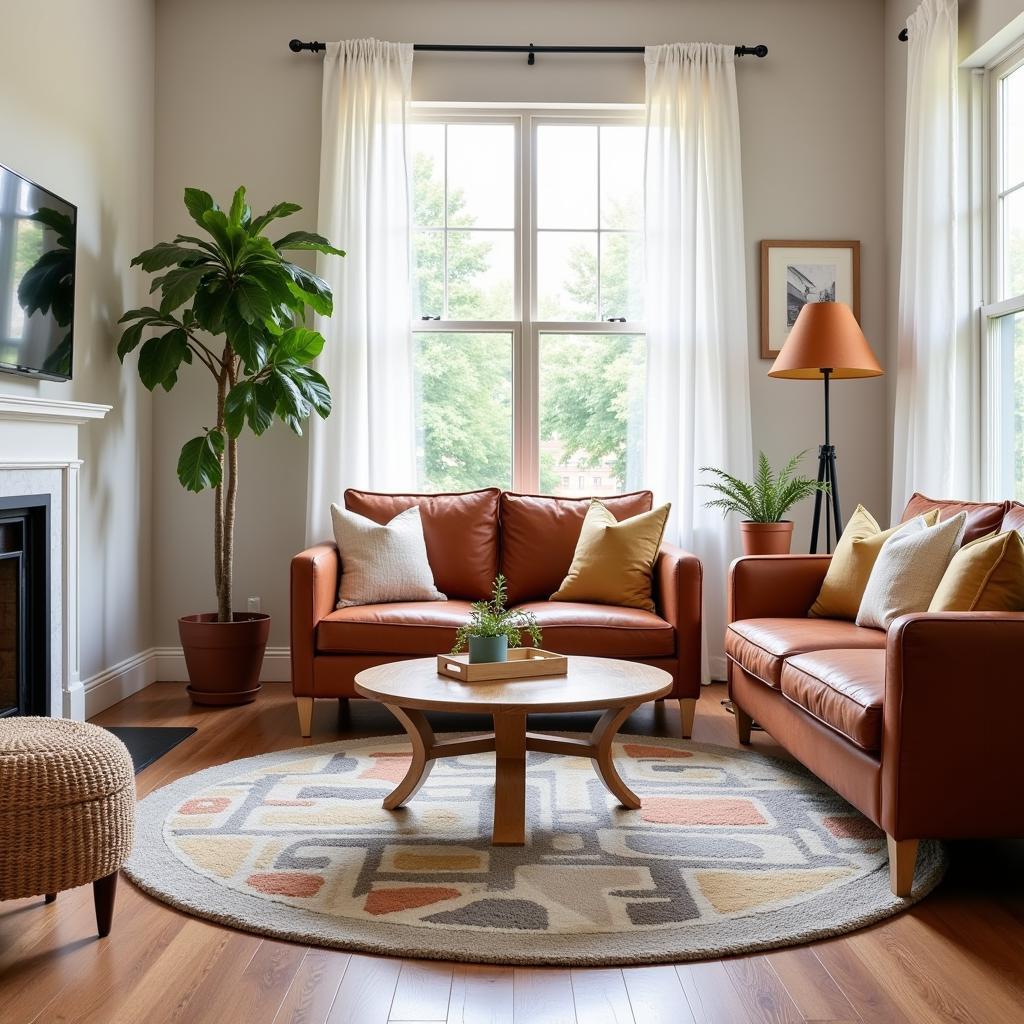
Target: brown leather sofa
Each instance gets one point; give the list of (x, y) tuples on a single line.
[(470, 537), (917, 727)]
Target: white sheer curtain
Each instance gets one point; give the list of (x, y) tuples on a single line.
[(932, 439), (698, 390), (369, 438)]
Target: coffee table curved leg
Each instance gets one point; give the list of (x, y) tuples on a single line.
[(601, 738), (421, 735)]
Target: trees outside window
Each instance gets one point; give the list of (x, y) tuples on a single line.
[(528, 302)]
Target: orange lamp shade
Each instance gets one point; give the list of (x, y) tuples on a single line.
[(826, 335)]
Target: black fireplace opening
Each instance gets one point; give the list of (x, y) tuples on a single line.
[(25, 605)]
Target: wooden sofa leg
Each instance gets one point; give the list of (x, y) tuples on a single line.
[(304, 705), (902, 860), (744, 723), (687, 709), (103, 892)]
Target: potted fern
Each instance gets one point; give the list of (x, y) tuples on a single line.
[(232, 304), (763, 503), (492, 628)]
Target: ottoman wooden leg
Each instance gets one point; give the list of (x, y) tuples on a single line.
[(51, 897), (103, 893)]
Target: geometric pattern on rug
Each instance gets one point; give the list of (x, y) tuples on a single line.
[(729, 851)]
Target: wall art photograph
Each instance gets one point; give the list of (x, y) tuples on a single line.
[(794, 273)]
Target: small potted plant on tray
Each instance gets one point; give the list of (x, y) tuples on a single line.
[(763, 503), (492, 628)]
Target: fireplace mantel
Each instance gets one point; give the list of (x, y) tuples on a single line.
[(39, 454)]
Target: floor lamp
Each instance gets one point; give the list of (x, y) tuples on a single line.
[(826, 343)]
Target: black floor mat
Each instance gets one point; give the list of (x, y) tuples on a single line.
[(148, 743)]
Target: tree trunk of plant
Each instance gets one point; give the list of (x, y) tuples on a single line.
[(228, 551), (219, 546)]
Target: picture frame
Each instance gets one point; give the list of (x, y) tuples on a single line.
[(795, 272)]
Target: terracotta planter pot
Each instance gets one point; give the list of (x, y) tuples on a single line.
[(766, 538), (224, 658)]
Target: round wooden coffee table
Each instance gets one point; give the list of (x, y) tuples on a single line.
[(408, 688)]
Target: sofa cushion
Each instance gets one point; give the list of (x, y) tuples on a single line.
[(844, 689), (601, 630), (539, 535), (982, 516), (414, 627), (1014, 519), (460, 531), (760, 646)]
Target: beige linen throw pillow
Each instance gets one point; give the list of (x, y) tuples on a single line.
[(908, 570), (381, 564)]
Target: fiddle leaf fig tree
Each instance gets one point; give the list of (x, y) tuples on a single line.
[(232, 302)]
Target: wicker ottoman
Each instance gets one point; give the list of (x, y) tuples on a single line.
[(67, 810)]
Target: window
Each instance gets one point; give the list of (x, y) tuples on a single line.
[(1003, 319), (528, 300)]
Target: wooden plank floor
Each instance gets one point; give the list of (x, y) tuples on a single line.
[(958, 956)]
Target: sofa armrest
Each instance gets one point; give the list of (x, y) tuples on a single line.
[(775, 586), (954, 704), (314, 593), (678, 586)]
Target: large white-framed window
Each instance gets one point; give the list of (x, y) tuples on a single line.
[(528, 298), (1002, 318)]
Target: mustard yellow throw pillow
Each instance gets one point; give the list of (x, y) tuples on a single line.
[(614, 561), (986, 575), (851, 565)]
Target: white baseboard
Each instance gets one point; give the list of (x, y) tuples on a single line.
[(113, 684), (133, 674)]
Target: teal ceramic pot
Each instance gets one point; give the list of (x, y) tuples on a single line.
[(488, 648)]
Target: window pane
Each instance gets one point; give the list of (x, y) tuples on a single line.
[(1013, 244), (591, 413), (622, 176), (1008, 338), (426, 157), (428, 273), (1013, 128), (481, 175), (567, 275), (567, 176), (622, 275), (464, 410), (481, 275)]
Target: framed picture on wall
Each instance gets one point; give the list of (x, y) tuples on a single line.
[(795, 273)]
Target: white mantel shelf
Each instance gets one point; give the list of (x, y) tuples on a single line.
[(24, 407), (39, 454)]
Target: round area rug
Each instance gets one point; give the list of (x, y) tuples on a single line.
[(730, 852)]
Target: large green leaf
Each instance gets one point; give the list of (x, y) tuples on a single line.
[(166, 254), (248, 402), (198, 202), (298, 343), (250, 341), (199, 465), (211, 301), (240, 215), (274, 280), (179, 286), (147, 312), (160, 358), (311, 289), (277, 211), (314, 389), (307, 240), (291, 405), (130, 339), (252, 301)]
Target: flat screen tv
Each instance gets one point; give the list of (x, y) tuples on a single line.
[(37, 279)]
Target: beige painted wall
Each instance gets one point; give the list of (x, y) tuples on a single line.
[(234, 105), (76, 115)]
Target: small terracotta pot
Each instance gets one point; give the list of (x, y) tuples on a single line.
[(766, 538), (224, 658)]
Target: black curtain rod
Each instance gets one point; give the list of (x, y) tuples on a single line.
[(297, 46)]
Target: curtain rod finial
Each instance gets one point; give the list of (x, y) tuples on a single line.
[(904, 35)]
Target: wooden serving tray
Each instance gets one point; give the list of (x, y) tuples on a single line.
[(523, 663)]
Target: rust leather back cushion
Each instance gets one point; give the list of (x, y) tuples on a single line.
[(460, 531), (539, 534), (1014, 518), (982, 516)]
